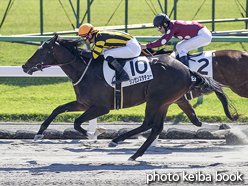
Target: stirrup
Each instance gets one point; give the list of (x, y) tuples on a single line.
[(119, 81), (123, 77)]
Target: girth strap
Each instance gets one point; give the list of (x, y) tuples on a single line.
[(118, 97)]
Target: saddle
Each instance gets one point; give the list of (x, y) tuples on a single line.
[(152, 52), (190, 56), (122, 62)]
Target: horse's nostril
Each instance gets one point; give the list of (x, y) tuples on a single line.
[(24, 67)]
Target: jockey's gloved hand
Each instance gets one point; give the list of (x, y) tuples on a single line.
[(87, 54), (143, 46)]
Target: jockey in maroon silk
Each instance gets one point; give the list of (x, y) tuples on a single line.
[(192, 34)]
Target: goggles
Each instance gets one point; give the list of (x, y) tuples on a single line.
[(159, 28), (85, 38)]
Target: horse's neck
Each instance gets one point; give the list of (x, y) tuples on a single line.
[(72, 67), (74, 70), (79, 68)]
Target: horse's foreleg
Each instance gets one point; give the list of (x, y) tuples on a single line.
[(69, 107), (187, 108)]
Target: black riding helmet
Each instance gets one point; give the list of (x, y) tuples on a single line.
[(160, 19)]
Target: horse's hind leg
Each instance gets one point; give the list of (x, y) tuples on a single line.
[(69, 107), (144, 127), (148, 123), (156, 130), (187, 108)]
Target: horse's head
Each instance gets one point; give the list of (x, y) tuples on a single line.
[(42, 58)]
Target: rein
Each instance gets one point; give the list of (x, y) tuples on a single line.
[(80, 79), (149, 53)]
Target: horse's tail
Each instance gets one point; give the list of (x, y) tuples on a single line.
[(208, 85)]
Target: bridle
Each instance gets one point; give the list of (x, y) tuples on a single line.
[(40, 66)]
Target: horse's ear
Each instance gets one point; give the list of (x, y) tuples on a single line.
[(56, 37), (53, 39)]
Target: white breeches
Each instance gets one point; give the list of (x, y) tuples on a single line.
[(203, 38), (132, 49)]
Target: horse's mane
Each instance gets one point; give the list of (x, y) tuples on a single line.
[(73, 46), (70, 44)]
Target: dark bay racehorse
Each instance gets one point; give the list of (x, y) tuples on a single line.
[(94, 96), (230, 68)]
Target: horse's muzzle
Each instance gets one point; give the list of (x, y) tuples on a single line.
[(25, 69)]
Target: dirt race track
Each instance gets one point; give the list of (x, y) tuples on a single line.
[(88, 162)]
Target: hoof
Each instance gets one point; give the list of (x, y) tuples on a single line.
[(91, 135), (112, 144), (131, 159), (38, 137), (99, 130), (210, 126), (224, 126)]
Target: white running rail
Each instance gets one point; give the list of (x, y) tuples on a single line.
[(16, 71)]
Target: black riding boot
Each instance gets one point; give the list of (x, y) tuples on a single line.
[(122, 75), (184, 60)]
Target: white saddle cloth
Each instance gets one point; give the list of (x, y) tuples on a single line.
[(201, 63), (138, 69)]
